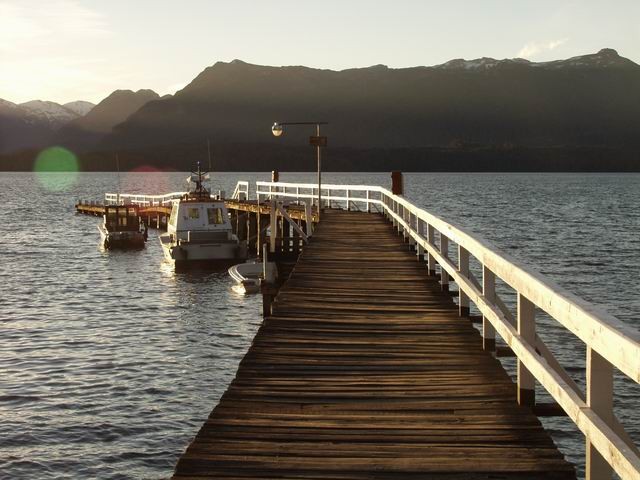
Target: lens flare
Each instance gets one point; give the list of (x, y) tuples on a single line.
[(146, 179), (56, 168)]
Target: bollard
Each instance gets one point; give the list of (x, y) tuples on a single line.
[(397, 183)]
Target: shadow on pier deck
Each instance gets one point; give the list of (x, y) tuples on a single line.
[(365, 370)]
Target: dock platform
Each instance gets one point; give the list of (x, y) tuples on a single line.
[(365, 370)]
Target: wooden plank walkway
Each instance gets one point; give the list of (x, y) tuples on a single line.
[(365, 370)]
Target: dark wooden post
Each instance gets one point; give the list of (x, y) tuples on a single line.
[(397, 183), (296, 239), (234, 220), (262, 229), (279, 233), (242, 226), (258, 232), (275, 176), (252, 234)]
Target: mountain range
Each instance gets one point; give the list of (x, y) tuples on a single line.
[(79, 124), (378, 116)]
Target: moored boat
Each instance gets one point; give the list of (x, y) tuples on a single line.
[(121, 227), (199, 230), (248, 276)]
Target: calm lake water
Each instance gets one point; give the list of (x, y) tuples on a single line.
[(110, 362)]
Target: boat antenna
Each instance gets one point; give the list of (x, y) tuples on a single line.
[(209, 153), (118, 170)]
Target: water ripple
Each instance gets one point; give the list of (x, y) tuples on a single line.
[(111, 362)]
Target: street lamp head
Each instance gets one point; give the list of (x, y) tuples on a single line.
[(277, 129)]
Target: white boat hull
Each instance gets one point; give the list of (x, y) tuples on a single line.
[(248, 276), (185, 253)]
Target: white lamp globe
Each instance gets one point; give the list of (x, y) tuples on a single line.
[(276, 129)]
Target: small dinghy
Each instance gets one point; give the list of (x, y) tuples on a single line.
[(248, 276), (121, 228)]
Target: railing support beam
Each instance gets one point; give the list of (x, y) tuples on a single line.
[(489, 292), (526, 330), (444, 251), (420, 229), (463, 268), (431, 261), (273, 227), (600, 399)]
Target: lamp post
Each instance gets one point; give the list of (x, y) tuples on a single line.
[(315, 141)]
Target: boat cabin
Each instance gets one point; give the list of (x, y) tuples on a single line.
[(121, 218), (189, 218)]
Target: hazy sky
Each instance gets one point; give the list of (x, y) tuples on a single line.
[(65, 50)]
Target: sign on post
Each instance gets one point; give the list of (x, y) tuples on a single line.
[(316, 141)]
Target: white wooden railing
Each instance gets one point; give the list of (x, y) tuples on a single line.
[(347, 196), (141, 200), (241, 191), (609, 342)]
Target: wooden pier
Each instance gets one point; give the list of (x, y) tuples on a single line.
[(364, 369)]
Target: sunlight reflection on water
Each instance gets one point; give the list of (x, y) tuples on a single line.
[(110, 361)]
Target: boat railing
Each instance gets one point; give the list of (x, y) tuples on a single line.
[(450, 249), (141, 200)]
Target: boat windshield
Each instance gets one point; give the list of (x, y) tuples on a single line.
[(215, 216), (120, 218)]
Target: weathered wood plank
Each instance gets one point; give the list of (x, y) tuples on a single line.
[(365, 370)]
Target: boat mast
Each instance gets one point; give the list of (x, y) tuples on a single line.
[(200, 192), (118, 170)]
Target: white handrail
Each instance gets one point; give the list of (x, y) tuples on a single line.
[(241, 191), (609, 341), (141, 199), (269, 190)]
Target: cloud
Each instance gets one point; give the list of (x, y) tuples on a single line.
[(48, 50), (533, 49), (24, 25)]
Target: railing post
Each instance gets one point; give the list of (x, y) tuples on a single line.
[(420, 232), (489, 293), (412, 227), (348, 201), (527, 331), (600, 400), (273, 226), (463, 268), (431, 261), (394, 209), (444, 251), (368, 204), (404, 220), (308, 217)]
